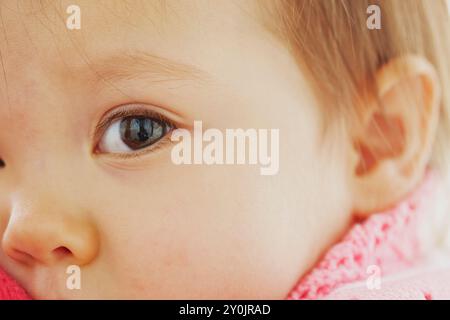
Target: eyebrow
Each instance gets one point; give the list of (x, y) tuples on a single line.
[(140, 65)]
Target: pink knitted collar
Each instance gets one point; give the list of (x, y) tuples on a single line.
[(388, 240)]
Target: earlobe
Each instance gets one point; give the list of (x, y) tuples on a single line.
[(393, 143)]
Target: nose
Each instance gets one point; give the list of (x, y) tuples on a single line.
[(44, 232)]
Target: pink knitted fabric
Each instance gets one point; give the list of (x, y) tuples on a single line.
[(10, 290), (422, 284), (387, 240)]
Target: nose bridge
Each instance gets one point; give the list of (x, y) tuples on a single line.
[(41, 149), (35, 130), (47, 172), (20, 107)]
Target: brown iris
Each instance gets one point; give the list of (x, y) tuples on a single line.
[(139, 132)]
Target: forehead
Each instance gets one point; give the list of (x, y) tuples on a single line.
[(37, 38)]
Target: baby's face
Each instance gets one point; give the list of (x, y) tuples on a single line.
[(80, 187)]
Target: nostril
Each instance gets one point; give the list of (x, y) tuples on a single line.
[(21, 256), (2, 163), (61, 252)]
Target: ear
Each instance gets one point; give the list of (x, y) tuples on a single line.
[(393, 142)]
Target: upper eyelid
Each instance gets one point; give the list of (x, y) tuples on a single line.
[(119, 114)]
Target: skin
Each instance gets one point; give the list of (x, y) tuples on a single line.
[(141, 227)]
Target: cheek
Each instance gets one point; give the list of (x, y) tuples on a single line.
[(201, 235)]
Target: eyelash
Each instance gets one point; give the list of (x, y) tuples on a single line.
[(136, 111)]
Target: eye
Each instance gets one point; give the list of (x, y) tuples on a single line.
[(131, 133)]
